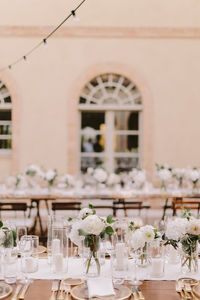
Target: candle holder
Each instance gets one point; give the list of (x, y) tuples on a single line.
[(157, 253)]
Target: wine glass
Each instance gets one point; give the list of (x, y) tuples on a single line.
[(135, 255)]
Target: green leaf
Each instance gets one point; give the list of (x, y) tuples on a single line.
[(109, 230), (82, 232), (109, 219), (69, 219), (90, 205), (1, 223)]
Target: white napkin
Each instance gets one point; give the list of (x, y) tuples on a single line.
[(101, 286)]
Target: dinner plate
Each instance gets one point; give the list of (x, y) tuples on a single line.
[(73, 281), (41, 249), (81, 293), (190, 281), (196, 290), (5, 290)]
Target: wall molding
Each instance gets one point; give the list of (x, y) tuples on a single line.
[(102, 32)]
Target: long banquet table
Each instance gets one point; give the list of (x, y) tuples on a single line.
[(152, 290)]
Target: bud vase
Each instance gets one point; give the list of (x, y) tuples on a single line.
[(189, 259), (92, 263)]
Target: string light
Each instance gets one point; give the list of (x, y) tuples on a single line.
[(45, 43), (44, 40), (75, 18)]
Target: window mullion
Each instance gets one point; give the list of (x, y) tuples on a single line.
[(109, 141)]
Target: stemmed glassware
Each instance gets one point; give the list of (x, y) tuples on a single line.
[(135, 255)]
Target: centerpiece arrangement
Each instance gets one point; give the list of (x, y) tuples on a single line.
[(7, 237), (183, 234), (89, 228), (140, 240)]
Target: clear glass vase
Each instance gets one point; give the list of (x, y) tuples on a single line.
[(143, 256), (92, 264), (189, 263), (189, 258)]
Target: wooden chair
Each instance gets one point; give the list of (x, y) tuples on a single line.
[(189, 202), (65, 206), (125, 205), (17, 213)]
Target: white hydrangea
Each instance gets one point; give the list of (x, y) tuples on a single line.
[(93, 225), (34, 170), (176, 228), (85, 211), (100, 175), (137, 240)]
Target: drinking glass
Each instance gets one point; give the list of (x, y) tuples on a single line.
[(28, 246), (9, 257), (21, 230), (135, 256)]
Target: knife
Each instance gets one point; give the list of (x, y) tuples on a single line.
[(23, 292), (141, 297), (18, 288)]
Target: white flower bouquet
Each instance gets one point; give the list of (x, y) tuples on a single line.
[(140, 239), (179, 174), (165, 175), (193, 176), (186, 233), (138, 178), (50, 176), (66, 181), (90, 228)]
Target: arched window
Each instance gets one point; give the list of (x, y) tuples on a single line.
[(110, 115), (5, 119)]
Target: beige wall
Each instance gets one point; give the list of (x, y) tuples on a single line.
[(45, 90)]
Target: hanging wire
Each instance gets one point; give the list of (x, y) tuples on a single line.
[(44, 40)]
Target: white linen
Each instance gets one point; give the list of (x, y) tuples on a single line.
[(100, 286), (74, 267)]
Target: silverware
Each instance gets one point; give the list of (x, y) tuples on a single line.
[(17, 290), (189, 290), (67, 289), (54, 289), (23, 292), (141, 296), (179, 289), (134, 292), (62, 290)]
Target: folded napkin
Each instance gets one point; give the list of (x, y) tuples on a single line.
[(100, 287)]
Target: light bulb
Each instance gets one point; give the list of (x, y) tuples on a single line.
[(75, 18)]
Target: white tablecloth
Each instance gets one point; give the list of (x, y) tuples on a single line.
[(75, 268)]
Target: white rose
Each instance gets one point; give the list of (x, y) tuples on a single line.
[(137, 240), (93, 225), (176, 228), (85, 211), (74, 234), (194, 227), (178, 172), (193, 175)]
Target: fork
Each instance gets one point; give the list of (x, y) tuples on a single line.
[(134, 292), (189, 290), (179, 289), (62, 290), (54, 289), (67, 289)]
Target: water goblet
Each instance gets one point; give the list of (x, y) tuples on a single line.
[(134, 255)]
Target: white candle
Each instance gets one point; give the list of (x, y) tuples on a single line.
[(55, 248), (29, 264), (157, 267), (173, 255), (58, 262), (120, 247)]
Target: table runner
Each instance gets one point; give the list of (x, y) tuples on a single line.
[(75, 268)]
